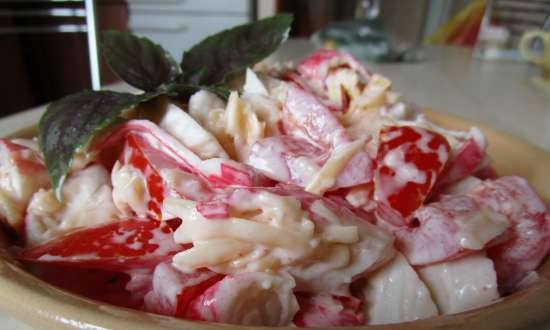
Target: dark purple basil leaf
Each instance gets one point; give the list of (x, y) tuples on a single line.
[(138, 61), (218, 58), (71, 122)]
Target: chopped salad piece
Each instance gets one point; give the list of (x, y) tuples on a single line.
[(529, 239), (396, 294), (307, 196), (87, 202), (172, 292), (459, 285), (22, 172), (116, 245), (409, 161), (247, 299), (449, 228), (324, 310)]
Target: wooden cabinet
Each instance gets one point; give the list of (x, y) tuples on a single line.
[(40, 64)]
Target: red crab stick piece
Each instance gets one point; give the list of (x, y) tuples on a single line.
[(160, 175), (409, 162), (115, 246), (305, 116), (467, 160), (217, 171), (247, 299), (305, 85), (450, 228), (22, 173), (288, 159), (325, 310), (318, 65), (172, 291), (530, 232), (136, 157)]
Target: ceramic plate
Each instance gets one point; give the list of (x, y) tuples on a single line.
[(46, 307)]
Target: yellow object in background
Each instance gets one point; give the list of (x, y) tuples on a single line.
[(463, 28), (541, 59)]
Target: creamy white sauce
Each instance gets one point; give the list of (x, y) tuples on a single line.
[(87, 201), (404, 171), (130, 193)]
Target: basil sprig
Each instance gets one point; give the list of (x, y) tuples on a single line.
[(69, 124), (219, 57), (138, 61)]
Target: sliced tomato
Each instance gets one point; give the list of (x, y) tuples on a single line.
[(410, 160), (530, 233), (118, 245), (325, 310)]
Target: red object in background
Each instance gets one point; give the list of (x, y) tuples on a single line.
[(468, 34)]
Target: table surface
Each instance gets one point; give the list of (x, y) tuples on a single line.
[(498, 94)]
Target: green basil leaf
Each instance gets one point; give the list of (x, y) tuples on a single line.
[(181, 91), (138, 61), (220, 90), (70, 123), (221, 56), (184, 91)]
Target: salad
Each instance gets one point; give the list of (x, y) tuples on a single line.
[(255, 194)]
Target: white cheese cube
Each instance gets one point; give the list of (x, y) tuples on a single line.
[(396, 294), (461, 284)]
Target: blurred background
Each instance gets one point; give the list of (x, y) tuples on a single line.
[(47, 47)]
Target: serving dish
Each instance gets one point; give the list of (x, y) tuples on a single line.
[(46, 307)]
